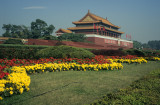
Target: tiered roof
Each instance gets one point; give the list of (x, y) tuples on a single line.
[(91, 27), (92, 18)]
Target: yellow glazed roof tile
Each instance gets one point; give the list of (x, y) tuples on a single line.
[(64, 31), (95, 19)]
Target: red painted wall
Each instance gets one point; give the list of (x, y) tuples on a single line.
[(109, 42), (100, 43)]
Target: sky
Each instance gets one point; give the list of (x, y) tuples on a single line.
[(138, 18)]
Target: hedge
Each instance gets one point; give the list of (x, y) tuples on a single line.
[(64, 51), (109, 52), (13, 41), (19, 51)]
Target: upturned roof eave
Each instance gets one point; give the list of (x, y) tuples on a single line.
[(77, 22), (86, 28), (64, 30), (96, 18)]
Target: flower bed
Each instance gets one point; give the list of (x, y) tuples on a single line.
[(24, 62), (128, 59), (15, 83), (2, 73), (14, 78), (51, 67), (153, 58)]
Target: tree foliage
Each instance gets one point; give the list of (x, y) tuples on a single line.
[(15, 31), (38, 29), (151, 44), (137, 45), (49, 37), (154, 44), (145, 45), (13, 41), (72, 37)]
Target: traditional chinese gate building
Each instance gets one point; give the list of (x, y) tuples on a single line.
[(100, 31)]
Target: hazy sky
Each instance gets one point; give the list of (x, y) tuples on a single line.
[(138, 18)]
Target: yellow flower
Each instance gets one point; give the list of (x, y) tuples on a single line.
[(27, 89), (7, 89), (2, 85), (3, 81), (21, 90), (1, 98), (1, 89), (11, 92), (11, 88)]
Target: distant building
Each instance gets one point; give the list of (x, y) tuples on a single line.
[(98, 30), (62, 31)]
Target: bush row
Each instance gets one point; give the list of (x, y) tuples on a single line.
[(142, 53), (121, 52), (36, 52), (64, 51), (109, 52), (13, 41), (19, 51)]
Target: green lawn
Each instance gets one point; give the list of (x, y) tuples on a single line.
[(78, 87), (145, 91)]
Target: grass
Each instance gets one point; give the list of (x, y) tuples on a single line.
[(78, 87), (145, 91)]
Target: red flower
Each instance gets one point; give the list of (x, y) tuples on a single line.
[(3, 74)]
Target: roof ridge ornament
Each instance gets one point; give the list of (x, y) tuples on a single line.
[(88, 11)]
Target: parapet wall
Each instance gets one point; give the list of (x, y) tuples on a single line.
[(100, 45), (108, 41)]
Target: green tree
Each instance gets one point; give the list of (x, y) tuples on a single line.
[(16, 31), (39, 28), (145, 45), (7, 29), (49, 37), (137, 44), (49, 30), (72, 37), (13, 41), (154, 44), (26, 33)]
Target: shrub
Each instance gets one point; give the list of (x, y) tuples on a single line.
[(72, 37), (64, 51), (49, 37), (19, 51), (149, 53), (109, 52), (135, 52), (13, 41)]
